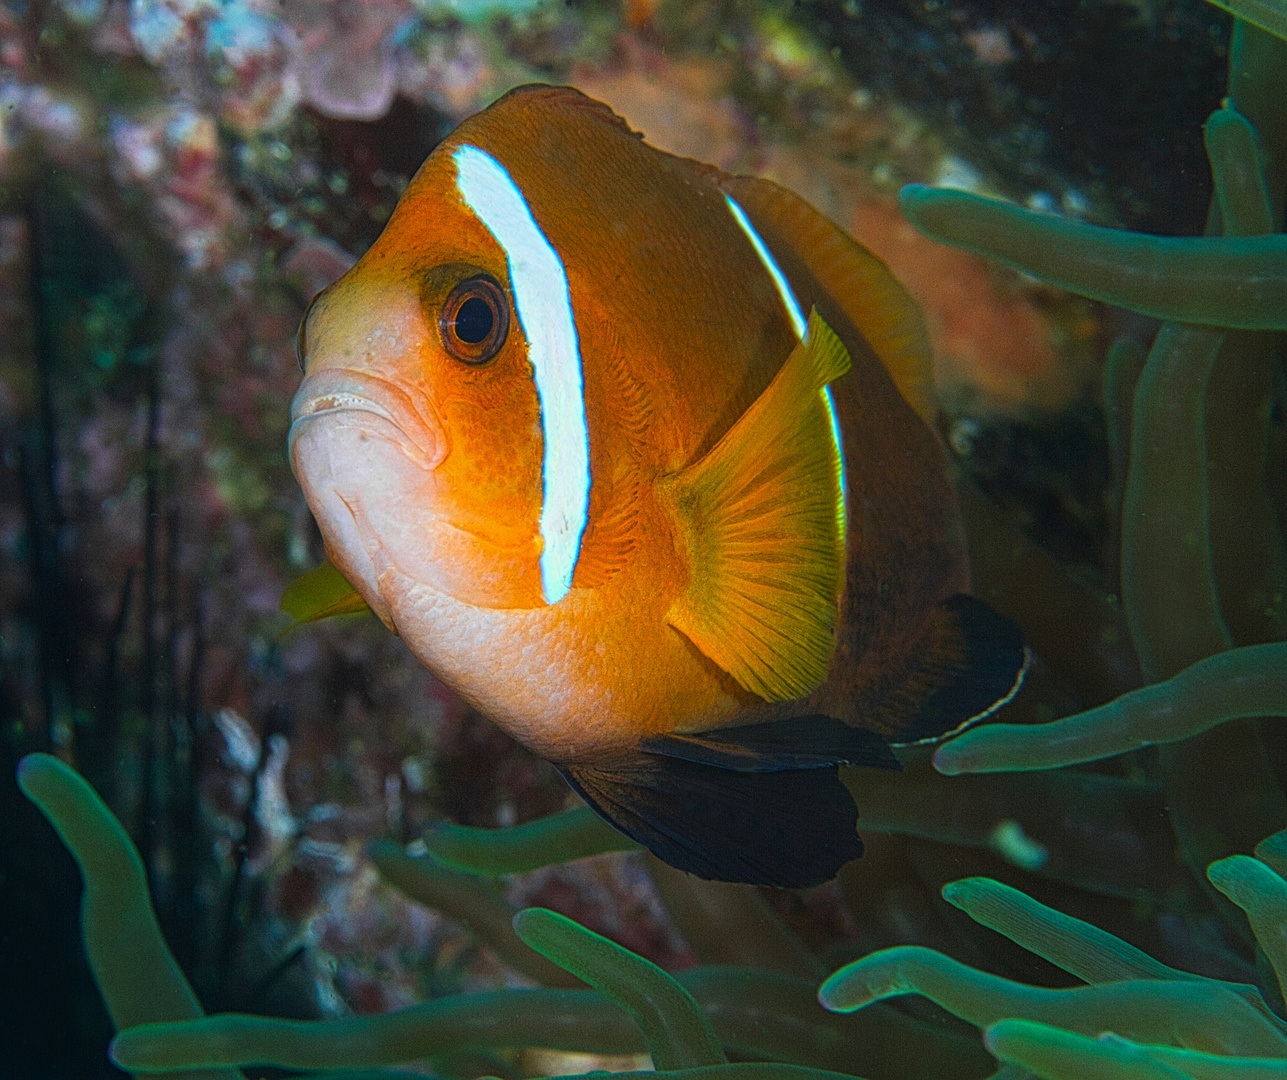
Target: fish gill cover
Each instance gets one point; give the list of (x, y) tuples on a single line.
[(180, 177)]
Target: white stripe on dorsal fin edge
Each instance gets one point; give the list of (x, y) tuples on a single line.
[(544, 307), (770, 264), (801, 329)]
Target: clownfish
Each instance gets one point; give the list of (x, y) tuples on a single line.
[(637, 457)]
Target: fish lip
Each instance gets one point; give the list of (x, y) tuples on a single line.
[(345, 390)]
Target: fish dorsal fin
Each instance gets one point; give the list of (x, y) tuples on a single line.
[(320, 593), (762, 518), (859, 282)]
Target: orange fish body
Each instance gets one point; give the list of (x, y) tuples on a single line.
[(566, 429)]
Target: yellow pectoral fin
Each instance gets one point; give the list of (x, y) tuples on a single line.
[(319, 594), (762, 515)]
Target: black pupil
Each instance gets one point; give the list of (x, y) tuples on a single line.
[(474, 320)]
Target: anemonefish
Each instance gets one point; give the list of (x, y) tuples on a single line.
[(637, 457)]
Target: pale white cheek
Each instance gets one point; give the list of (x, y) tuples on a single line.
[(516, 666), (322, 456), (374, 500)]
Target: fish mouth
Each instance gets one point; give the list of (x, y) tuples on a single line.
[(332, 392), (360, 444)]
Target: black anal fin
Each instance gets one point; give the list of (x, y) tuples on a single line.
[(974, 662), (802, 742), (791, 829)]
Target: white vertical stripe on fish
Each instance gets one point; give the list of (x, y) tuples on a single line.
[(771, 265), (800, 326), (544, 307)]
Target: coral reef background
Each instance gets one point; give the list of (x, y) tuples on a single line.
[(178, 177)]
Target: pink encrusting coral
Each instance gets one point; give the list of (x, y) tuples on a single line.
[(350, 71), (255, 61)]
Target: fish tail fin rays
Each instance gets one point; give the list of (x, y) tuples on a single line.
[(859, 282), (762, 517), (791, 829), (973, 662), (321, 593)]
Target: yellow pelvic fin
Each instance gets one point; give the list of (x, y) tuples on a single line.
[(762, 515), (319, 594)]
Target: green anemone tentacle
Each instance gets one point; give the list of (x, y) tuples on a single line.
[(1251, 681), (1269, 15), (472, 901), (1202, 1016), (1238, 282), (135, 971), (1054, 1054), (555, 838), (678, 1034)]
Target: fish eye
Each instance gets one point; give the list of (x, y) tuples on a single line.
[(474, 321)]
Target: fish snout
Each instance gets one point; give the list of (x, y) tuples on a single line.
[(333, 392)]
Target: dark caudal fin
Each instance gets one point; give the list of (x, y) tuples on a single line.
[(760, 804), (973, 662)]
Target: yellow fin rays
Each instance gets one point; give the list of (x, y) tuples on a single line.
[(762, 517)]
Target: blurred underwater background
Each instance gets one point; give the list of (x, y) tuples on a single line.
[(336, 848)]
